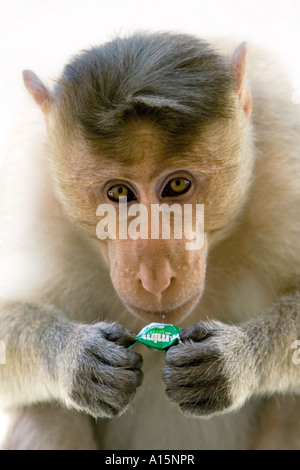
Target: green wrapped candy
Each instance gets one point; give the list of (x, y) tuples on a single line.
[(159, 335)]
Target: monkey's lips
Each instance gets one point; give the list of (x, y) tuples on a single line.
[(174, 315)]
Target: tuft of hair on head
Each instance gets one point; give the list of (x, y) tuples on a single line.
[(175, 80)]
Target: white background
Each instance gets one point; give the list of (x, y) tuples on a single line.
[(42, 34)]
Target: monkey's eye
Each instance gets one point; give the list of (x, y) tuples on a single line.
[(117, 192), (176, 187)]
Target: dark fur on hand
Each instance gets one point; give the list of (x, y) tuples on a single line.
[(101, 376), (209, 371)]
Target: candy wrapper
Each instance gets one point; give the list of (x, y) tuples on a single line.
[(159, 336)]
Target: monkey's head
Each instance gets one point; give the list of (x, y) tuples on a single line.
[(158, 118)]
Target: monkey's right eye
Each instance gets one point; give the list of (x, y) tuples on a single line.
[(117, 192)]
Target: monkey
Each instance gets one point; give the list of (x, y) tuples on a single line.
[(154, 118)]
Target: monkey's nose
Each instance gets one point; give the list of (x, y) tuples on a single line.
[(156, 280)]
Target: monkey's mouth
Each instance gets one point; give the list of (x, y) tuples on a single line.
[(174, 315)]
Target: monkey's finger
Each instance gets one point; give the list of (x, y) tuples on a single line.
[(192, 393), (118, 334), (125, 380), (126, 341), (191, 375), (115, 356), (100, 399), (106, 377), (198, 331), (206, 406), (197, 399), (191, 353)]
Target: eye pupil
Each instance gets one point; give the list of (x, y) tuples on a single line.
[(118, 192), (176, 187)]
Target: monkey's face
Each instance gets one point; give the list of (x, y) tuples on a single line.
[(158, 119), (157, 277)]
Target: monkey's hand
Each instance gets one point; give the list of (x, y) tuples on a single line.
[(97, 374), (211, 371)]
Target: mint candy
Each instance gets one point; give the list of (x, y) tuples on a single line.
[(159, 335)]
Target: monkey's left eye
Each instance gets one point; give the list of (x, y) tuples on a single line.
[(176, 187), (115, 193)]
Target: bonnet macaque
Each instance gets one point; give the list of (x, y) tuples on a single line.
[(156, 118)]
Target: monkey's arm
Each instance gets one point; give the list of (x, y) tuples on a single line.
[(217, 367), (50, 358)]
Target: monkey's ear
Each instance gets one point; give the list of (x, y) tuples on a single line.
[(238, 63), (37, 90)]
